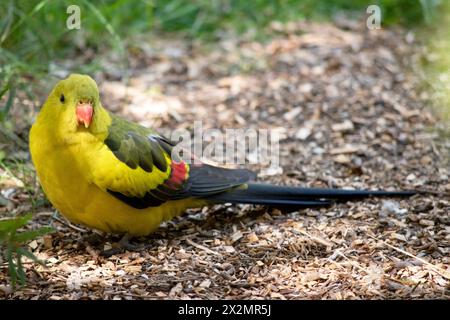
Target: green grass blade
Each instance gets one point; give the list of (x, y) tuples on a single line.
[(117, 40), (21, 276), (9, 103), (14, 224), (22, 20), (32, 234), (12, 270), (30, 256)]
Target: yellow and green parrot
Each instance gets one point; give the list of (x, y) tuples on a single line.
[(116, 176)]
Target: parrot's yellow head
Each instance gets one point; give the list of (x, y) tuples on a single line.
[(74, 102)]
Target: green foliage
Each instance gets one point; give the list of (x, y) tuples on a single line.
[(436, 64), (10, 91), (409, 12), (12, 246)]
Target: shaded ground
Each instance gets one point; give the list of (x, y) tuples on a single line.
[(350, 116)]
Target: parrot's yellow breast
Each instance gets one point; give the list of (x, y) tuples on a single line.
[(63, 177)]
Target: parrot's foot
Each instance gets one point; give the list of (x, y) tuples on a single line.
[(93, 239), (124, 244)]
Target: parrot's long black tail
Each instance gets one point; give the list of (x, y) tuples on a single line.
[(272, 195)]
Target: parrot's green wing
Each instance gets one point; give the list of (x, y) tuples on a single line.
[(137, 146), (151, 174)]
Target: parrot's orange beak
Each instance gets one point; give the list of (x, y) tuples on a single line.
[(84, 113)]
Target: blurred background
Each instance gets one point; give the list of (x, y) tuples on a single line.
[(34, 41)]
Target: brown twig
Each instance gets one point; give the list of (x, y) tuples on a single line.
[(438, 270), (199, 246)]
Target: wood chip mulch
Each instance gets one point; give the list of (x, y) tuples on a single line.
[(346, 103)]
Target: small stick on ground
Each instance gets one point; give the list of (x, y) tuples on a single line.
[(317, 239), (199, 246), (442, 273), (68, 224)]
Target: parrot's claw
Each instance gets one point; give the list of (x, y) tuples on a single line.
[(92, 239), (124, 244)]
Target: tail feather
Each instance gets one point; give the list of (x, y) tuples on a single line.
[(266, 194)]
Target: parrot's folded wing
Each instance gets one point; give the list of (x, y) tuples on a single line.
[(138, 168)]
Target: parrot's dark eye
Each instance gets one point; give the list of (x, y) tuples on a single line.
[(62, 98)]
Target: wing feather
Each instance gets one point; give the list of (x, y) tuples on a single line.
[(136, 167)]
